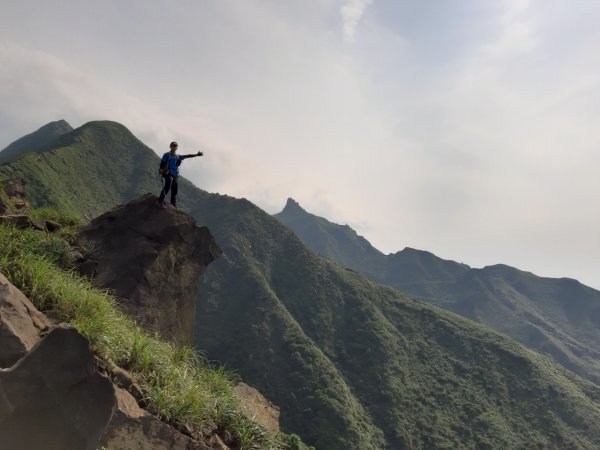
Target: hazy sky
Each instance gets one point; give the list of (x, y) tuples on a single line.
[(467, 128)]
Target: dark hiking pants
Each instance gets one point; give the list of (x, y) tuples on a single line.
[(170, 184)]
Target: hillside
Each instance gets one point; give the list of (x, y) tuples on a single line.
[(37, 141), (135, 391), (79, 174), (352, 365), (557, 317)]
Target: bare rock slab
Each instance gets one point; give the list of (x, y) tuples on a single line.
[(20, 323), (152, 258), (257, 407), (133, 428), (53, 398)]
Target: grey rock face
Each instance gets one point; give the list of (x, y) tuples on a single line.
[(153, 258), (20, 323), (54, 398)]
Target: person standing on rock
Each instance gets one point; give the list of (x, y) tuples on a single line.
[(169, 169)]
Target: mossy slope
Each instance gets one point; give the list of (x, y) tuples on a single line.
[(557, 317)]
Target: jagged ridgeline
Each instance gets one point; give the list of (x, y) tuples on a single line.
[(557, 317), (352, 365)]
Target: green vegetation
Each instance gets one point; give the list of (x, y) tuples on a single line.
[(87, 171), (35, 142), (352, 365), (557, 317), (329, 340), (68, 220), (180, 386)]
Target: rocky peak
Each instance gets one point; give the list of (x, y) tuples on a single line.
[(292, 207), (20, 323), (60, 126), (152, 258)]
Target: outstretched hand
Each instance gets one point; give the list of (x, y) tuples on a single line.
[(200, 154)]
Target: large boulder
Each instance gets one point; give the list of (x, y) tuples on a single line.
[(257, 407), (133, 428), (14, 196), (152, 258), (20, 324), (54, 398)]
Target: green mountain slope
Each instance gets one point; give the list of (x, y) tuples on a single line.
[(37, 141), (88, 170), (558, 317), (352, 365)]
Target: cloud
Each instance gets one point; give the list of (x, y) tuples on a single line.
[(38, 87), (351, 13), (468, 129)]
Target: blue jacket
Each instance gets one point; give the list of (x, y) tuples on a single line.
[(172, 162)]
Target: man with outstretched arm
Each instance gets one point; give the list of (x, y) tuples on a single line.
[(169, 169)]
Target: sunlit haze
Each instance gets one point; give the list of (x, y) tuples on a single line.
[(466, 128)]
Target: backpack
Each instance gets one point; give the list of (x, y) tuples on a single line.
[(164, 166)]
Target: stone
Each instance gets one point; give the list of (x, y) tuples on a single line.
[(54, 398), (125, 380), (216, 443), (152, 258), (15, 191), (71, 259), (20, 323), (257, 407), (132, 428), (52, 226), (20, 221)]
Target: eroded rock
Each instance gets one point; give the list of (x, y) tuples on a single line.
[(20, 323), (152, 258), (257, 407), (15, 192), (133, 428), (54, 398)]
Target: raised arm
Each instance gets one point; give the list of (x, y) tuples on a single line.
[(192, 155)]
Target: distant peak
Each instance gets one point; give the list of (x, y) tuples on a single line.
[(61, 124), (292, 206), (37, 141)]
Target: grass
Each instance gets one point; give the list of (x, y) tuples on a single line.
[(65, 218), (179, 385), (352, 365)]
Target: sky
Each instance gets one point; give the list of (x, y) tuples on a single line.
[(466, 128)]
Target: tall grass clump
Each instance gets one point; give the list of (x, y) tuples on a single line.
[(179, 385), (67, 219)]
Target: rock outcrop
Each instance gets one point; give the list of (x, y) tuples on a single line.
[(24, 221), (20, 324), (12, 199), (153, 258), (54, 398), (257, 407), (133, 428)]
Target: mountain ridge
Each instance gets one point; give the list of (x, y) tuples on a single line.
[(352, 364), (534, 310), (35, 142)]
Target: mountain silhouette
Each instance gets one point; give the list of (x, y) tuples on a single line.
[(37, 141), (557, 317), (352, 364)]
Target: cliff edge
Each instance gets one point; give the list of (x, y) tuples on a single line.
[(152, 258)]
